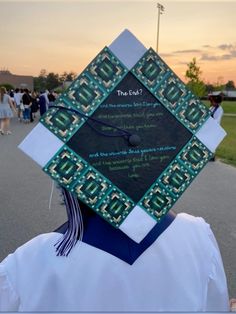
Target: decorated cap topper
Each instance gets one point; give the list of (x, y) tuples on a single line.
[(127, 137)]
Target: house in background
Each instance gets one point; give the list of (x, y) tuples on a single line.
[(20, 81), (227, 94)]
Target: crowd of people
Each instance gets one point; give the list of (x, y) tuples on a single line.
[(24, 104)]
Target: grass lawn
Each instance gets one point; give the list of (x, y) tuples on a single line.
[(226, 151), (228, 106)]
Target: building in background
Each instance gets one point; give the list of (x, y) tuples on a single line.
[(227, 95), (20, 81)]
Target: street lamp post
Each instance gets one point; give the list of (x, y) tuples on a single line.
[(159, 12)]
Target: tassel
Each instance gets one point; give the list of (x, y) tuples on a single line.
[(51, 195), (74, 230)]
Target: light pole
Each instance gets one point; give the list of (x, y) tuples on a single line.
[(160, 11)]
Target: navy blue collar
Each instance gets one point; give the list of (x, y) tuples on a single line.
[(100, 234)]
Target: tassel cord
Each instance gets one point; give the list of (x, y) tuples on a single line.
[(123, 133)]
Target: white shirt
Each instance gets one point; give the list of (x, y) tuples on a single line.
[(218, 114), (46, 98), (181, 271), (18, 98)]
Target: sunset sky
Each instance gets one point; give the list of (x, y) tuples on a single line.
[(66, 35)]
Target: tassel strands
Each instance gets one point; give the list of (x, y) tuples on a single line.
[(51, 195), (74, 230)]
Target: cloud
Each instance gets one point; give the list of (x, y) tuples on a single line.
[(226, 47), (188, 51), (207, 57), (220, 52), (227, 57), (182, 62), (166, 55), (215, 55), (207, 46)]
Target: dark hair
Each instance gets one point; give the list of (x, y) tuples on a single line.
[(216, 98)]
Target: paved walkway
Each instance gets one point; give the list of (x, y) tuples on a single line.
[(230, 114), (25, 193)]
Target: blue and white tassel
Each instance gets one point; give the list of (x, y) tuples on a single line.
[(74, 232)]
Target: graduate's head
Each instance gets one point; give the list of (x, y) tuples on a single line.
[(215, 100)]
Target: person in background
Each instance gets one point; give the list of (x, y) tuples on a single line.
[(42, 103), (27, 102), (216, 110), (18, 102), (46, 92), (11, 94), (34, 106), (6, 111), (51, 98)]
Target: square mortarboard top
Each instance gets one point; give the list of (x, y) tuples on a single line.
[(128, 137)]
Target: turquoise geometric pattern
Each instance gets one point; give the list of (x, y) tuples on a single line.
[(91, 188), (85, 94), (195, 155), (176, 178), (75, 174), (115, 207), (62, 123), (192, 113), (66, 167), (151, 70), (170, 91), (157, 201), (106, 70)]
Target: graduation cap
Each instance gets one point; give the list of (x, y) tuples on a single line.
[(126, 138), (215, 98)]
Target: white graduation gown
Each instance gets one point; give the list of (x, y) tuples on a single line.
[(181, 271)]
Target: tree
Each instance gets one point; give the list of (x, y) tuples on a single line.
[(193, 72), (193, 76), (68, 76), (52, 81), (230, 85), (46, 80), (219, 85), (209, 88), (40, 82), (7, 86), (197, 88)]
